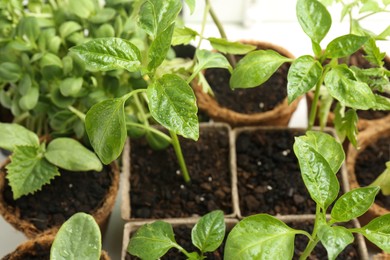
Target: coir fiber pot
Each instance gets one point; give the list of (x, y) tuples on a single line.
[(47, 209), (153, 187), (268, 175), (263, 105), (366, 163), (38, 249)]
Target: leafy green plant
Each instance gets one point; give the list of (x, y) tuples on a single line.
[(383, 180), (152, 241), (78, 238), (263, 236), (34, 164), (332, 79), (166, 98)]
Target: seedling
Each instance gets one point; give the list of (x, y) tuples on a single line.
[(263, 236), (152, 241), (34, 164), (383, 180), (353, 88)]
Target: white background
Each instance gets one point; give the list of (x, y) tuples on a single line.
[(272, 21)]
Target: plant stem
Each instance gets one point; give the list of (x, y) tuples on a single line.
[(222, 32), (313, 109), (151, 129), (313, 242), (180, 157), (77, 112)]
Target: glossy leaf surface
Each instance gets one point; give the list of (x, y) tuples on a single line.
[(345, 45), (209, 232), (378, 232), (334, 239)]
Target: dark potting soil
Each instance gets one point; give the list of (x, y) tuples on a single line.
[(37, 252), (269, 178), (254, 100), (66, 195), (370, 163), (183, 238), (158, 189), (351, 251)]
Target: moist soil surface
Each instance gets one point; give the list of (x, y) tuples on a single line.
[(66, 195), (269, 178), (158, 189), (319, 253), (249, 101), (370, 163)]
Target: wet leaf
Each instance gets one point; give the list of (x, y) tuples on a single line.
[(345, 45), (378, 232), (334, 239)]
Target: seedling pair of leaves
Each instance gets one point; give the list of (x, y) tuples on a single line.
[(170, 100), (354, 88), (34, 164), (263, 236)]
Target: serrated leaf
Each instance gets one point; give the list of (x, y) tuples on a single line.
[(373, 54), (159, 48), (354, 203), (314, 19), (256, 68), (69, 154), (106, 128), (334, 239), (12, 135), (183, 36), (326, 146), (260, 237), (345, 45), (343, 86), (78, 238), (109, 54), (378, 232), (303, 75), (71, 86), (152, 241), (67, 28), (318, 176), (157, 16), (30, 99), (225, 46), (207, 59), (209, 231), (172, 103), (29, 170)]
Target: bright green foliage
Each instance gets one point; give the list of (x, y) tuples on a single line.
[(260, 237), (256, 68), (207, 59), (383, 180), (224, 46), (378, 232), (346, 125), (345, 46), (12, 135), (334, 239), (78, 238), (183, 36)]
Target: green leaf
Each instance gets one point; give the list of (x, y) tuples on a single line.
[(318, 176), (83, 9), (334, 239), (378, 232), (10, 72), (157, 16), (12, 135), (78, 238), (260, 237), (207, 59), (314, 19), (373, 54), (303, 75), (49, 59), (191, 5), (225, 46), (156, 142), (71, 86), (106, 128), (29, 170), (103, 16), (69, 154), (30, 99), (383, 180), (159, 48), (209, 232), (183, 36), (326, 146), (172, 103), (385, 33), (343, 86), (28, 28), (346, 125), (25, 84), (109, 54), (256, 68), (345, 45), (105, 30), (67, 28), (152, 241), (354, 203)]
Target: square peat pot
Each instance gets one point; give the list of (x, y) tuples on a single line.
[(268, 175), (154, 187)]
